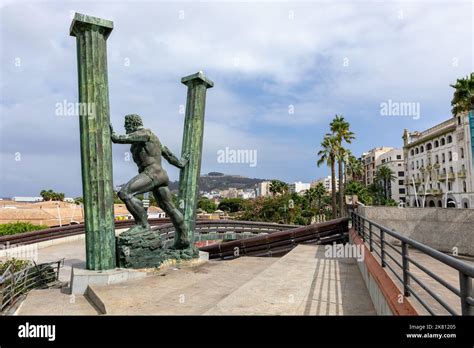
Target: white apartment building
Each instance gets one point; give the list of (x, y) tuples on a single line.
[(299, 187), (370, 160), (327, 183), (263, 189), (393, 159), (438, 165)]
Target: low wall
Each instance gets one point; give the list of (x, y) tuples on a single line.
[(386, 297), (440, 228)]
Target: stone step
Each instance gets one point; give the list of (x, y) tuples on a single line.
[(303, 282), (186, 291)]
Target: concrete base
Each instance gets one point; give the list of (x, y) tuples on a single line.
[(81, 277)]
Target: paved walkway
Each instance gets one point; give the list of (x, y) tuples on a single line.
[(449, 274), (322, 270)]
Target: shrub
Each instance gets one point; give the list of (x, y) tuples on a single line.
[(19, 227)]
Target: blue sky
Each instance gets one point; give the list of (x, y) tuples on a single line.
[(319, 57)]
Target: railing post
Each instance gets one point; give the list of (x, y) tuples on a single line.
[(2, 285), (363, 229), (406, 268), (371, 247), (382, 247), (467, 296)]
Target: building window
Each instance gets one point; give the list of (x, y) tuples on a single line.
[(401, 191), (450, 156), (451, 169), (412, 152), (416, 151), (422, 149), (459, 120), (443, 141), (400, 182), (412, 165), (428, 146), (450, 186), (464, 186), (443, 157), (436, 159), (450, 139), (417, 166), (436, 143), (401, 174), (462, 152), (399, 156)]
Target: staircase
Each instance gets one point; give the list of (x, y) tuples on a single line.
[(302, 282)]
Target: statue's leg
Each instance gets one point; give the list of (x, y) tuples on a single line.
[(139, 184), (165, 201)]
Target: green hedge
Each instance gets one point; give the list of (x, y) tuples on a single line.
[(19, 227)]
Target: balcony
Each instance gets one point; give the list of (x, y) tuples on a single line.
[(435, 192), (462, 174), (451, 176)]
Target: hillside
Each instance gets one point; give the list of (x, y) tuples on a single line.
[(220, 181)]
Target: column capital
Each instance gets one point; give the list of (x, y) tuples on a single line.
[(82, 22), (197, 78)]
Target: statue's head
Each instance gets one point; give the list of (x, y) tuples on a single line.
[(133, 123)]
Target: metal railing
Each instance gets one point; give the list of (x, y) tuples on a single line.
[(14, 284), (377, 237)]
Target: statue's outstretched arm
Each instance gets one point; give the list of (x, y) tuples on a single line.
[(127, 138), (172, 159)]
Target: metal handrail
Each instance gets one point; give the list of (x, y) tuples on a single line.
[(466, 271), (14, 284)]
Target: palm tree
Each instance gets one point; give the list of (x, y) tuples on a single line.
[(385, 175), (319, 192), (327, 155), (463, 98), (341, 131), (354, 168), (277, 186)]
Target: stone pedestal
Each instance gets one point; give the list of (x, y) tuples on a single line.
[(138, 249), (81, 277)]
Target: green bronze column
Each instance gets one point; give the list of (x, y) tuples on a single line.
[(96, 150), (192, 144)]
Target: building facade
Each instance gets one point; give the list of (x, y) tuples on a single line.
[(299, 187), (263, 189), (438, 165), (326, 182), (370, 160), (393, 159)]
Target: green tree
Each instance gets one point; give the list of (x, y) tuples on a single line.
[(356, 188), (50, 195), (327, 155), (207, 205), (385, 176), (231, 205), (340, 128), (463, 98), (354, 168), (277, 186)]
